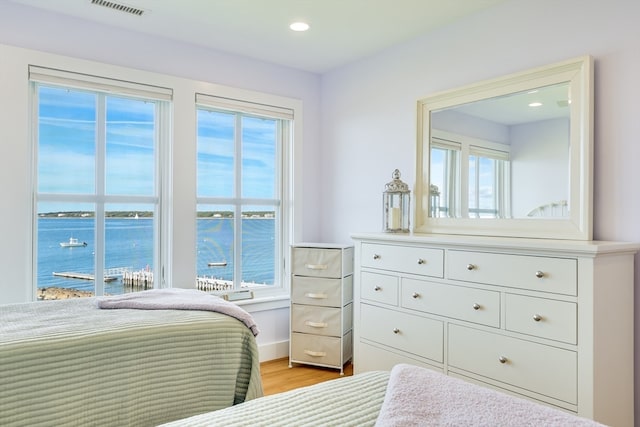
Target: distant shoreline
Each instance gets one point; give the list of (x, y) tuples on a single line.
[(147, 214)]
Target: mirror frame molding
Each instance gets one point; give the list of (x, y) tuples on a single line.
[(578, 72)]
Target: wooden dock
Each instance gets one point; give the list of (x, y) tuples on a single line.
[(82, 276)]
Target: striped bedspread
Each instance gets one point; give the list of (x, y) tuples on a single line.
[(406, 396), (70, 363), (346, 402)]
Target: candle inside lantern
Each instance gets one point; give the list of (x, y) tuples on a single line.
[(395, 218)]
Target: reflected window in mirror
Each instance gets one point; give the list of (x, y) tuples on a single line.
[(489, 177), (470, 178), (445, 178)]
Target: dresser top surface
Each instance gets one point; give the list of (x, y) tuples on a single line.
[(590, 247)]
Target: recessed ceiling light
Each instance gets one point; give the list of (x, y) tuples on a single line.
[(299, 26), (535, 104)]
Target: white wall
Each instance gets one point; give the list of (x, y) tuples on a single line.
[(539, 159), (369, 107)]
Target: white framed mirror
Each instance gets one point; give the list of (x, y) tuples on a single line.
[(511, 156)]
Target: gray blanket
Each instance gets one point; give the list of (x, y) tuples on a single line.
[(417, 396), (178, 299)]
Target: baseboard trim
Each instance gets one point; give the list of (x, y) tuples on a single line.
[(273, 350)]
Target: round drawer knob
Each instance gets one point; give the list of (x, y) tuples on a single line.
[(537, 317), (376, 256), (421, 261), (377, 288), (396, 330), (502, 359), (471, 267), (476, 306), (415, 295), (539, 274)]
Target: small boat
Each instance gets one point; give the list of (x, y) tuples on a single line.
[(217, 264), (73, 243)]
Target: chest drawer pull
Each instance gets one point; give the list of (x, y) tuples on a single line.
[(316, 266), (315, 353), (376, 256), (476, 306), (396, 330), (415, 295), (502, 359), (316, 324), (316, 296), (377, 288), (539, 274), (537, 317), (471, 267), (421, 261)]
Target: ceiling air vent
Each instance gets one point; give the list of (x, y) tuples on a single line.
[(119, 7)]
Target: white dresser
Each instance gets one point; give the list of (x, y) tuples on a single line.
[(321, 305), (544, 319)]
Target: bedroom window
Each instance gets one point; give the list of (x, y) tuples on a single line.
[(97, 204), (242, 170)]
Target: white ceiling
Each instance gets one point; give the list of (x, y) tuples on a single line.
[(341, 30)]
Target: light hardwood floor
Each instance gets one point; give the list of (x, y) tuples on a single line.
[(278, 377)]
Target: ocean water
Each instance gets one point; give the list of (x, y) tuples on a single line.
[(129, 243)]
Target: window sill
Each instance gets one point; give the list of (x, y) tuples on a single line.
[(264, 303)]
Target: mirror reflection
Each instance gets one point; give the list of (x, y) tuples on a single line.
[(502, 157)]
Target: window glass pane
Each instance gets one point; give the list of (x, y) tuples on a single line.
[(473, 187), (487, 191), (129, 248), (66, 248), (130, 142), (66, 141), (259, 246), (215, 175), (483, 180), (215, 256), (444, 183), (258, 157)]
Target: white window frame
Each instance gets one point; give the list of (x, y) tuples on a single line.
[(284, 204), (103, 86)]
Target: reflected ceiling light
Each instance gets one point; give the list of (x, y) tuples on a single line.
[(535, 104), (299, 26)]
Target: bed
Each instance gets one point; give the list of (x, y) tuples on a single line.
[(406, 396), (69, 362)]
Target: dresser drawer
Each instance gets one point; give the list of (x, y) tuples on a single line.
[(542, 369), (408, 259), (330, 321), (414, 334), (459, 302), (317, 262), (545, 318), (320, 350), (324, 292), (379, 288), (556, 275)]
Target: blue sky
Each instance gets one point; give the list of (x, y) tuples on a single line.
[(67, 148)]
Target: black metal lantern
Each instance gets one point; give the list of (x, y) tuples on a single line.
[(395, 202)]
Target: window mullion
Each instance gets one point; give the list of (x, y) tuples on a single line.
[(237, 248), (101, 132)]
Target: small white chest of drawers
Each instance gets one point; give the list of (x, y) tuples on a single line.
[(547, 320), (321, 305)]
